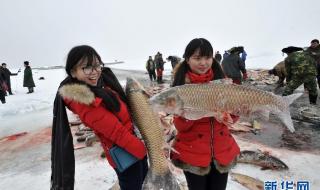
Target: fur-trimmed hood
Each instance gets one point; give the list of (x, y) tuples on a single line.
[(77, 92)]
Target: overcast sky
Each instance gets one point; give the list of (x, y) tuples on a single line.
[(43, 31)]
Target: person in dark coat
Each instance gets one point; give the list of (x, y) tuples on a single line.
[(7, 74), (94, 93), (226, 54), (174, 61), (151, 68), (218, 57), (2, 88), (159, 67), (27, 78), (233, 66)]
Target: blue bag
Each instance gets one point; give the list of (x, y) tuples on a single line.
[(122, 158)]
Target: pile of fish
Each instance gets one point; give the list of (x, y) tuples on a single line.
[(261, 77)]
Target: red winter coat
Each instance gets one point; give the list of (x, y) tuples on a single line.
[(200, 141), (110, 128)]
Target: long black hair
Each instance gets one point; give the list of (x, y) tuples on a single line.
[(205, 49)]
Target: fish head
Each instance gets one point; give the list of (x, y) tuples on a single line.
[(168, 101), (133, 85)]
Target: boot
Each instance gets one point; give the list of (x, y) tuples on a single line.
[(313, 99), (30, 90), (158, 79)]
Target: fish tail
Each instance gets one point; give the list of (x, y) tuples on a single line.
[(286, 119), (285, 115), (165, 181), (290, 98)]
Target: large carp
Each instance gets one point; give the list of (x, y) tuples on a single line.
[(148, 123), (194, 101)]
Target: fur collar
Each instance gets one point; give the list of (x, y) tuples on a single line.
[(77, 92)]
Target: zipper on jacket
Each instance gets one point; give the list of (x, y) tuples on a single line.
[(211, 138)]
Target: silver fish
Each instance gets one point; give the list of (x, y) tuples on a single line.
[(195, 101)]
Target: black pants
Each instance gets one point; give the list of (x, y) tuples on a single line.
[(152, 75), (133, 177), (212, 181), (2, 96), (9, 87)]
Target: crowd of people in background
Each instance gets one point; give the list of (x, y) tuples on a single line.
[(155, 67), (5, 80)]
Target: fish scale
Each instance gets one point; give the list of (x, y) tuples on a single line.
[(244, 95), (194, 101), (148, 125)]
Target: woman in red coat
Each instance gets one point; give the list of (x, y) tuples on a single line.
[(206, 149), (96, 96)]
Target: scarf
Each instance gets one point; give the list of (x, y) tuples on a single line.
[(203, 78)]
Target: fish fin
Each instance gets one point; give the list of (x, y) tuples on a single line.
[(286, 120), (291, 98)]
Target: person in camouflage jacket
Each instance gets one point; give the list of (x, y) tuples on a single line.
[(301, 69), (314, 51)]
